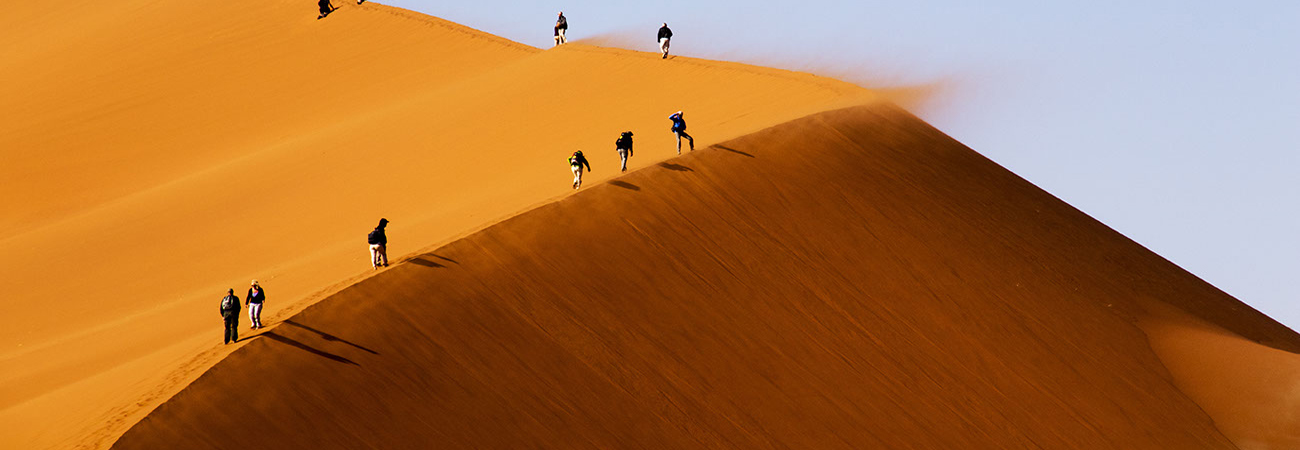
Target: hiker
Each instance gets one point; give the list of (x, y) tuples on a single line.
[(561, 25), (679, 128), (378, 245), (624, 147), (575, 163), (325, 8), (664, 36), (254, 301), (230, 312)]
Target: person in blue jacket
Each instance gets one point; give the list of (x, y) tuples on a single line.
[(254, 300), (679, 128)]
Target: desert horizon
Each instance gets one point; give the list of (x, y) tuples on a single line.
[(818, 272)]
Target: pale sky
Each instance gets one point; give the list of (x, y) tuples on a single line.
[(1177, 123)]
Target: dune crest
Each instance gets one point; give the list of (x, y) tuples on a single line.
[(157, 154), (852, 279)]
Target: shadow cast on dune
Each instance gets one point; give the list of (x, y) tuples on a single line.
[(329, 337), (421, 261), (676, 167), (276, 337), (625, 185), (738, 152)]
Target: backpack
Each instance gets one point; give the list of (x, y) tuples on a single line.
[(228, 303), (371, 238), (624, 141)]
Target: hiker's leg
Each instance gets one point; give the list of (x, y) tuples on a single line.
[(255, 315), (689, 139), (562, 38), (383, 253), (232, 329), (679, 141)]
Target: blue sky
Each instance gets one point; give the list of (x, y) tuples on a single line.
[(1176, 123)]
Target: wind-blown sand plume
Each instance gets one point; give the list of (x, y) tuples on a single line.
[(157, 153), (854, 279)]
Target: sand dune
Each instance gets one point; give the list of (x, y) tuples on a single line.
[(854, 279), (849, 279), (156, 154)]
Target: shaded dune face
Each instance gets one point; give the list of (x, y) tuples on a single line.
[(853, 279)]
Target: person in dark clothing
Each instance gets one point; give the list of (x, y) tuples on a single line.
[(679, 128), (378, 245), (230, 312), (256, 296), (325, 8), (624, 147), (575, 163), (665, 35), (561, 26)]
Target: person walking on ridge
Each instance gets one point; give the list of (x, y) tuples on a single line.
[(561, 25), (665, 35), (325, 8), (378, 245), (230, 312), (624, 147), (575, 164), (254, 301), (679, 128)]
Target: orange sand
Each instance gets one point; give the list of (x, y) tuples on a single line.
[(159, 153), (861, 281), (854, 279)]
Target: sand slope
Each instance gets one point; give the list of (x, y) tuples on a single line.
[(157, 153), (854, 279)]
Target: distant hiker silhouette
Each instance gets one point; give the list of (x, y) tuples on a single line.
[(325, 8), (679, 128), (256, 296), (575, 164), (665, 35), (378, 245), (230, 313), (561, 25), (624, 147)]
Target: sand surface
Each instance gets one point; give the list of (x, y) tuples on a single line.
[(846, 280), (157, 153), (854, 279)]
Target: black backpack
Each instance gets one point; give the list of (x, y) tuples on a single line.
[(371, 238), (624, 141)]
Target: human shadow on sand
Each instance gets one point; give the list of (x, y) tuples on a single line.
[(733, 150), (292, 343), (625, 185), (444, 258), (677, 167), (329, 337), (422, 261)]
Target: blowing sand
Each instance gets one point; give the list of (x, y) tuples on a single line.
[(851, 279)]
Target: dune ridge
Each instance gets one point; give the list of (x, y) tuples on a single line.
[(852, 279), (157, 154)]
